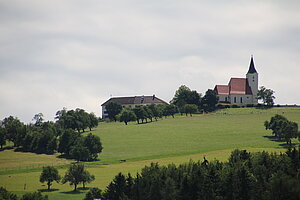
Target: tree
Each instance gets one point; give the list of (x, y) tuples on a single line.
[(127, 115), (190, 109), (80, 152), (266, 95), (93, 122), (49, 174), (14, 129), (140, 113), (38, 119), (2, 137), (93, 143), (87, 178), (93, 193), (170, 109), (209, 101), (74, 175), (113, 109), (185, 95), (282, 128)]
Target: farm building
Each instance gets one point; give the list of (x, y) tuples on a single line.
[(131, 102), (240, 91)]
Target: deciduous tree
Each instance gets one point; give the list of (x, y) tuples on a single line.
[(266, 95), (49, 174), (113, 109)]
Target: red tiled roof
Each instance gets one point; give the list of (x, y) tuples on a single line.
[(239, 86), (222, 89), (235, 86)]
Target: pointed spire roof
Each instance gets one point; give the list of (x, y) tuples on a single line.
[(252, 69)]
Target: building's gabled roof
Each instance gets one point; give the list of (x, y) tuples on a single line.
[(239, 86), (222, 89), (136, 100), (252, 69)]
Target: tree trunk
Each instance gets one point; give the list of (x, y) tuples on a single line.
[(49, 184), (83, 184), (75, 187), (125, 122)]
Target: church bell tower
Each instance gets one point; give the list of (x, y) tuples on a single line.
[(252, 77)]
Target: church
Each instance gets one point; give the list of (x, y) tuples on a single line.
[(240, 91)]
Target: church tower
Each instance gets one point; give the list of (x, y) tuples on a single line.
[(252, 77)]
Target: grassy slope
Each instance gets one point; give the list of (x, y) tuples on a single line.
[(166, 141)]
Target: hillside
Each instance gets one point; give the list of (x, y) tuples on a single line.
[(165, 141)]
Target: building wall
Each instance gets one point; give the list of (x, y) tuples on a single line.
[(241, 99)]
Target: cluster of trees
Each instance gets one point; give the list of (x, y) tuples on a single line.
[(185, 101), (140, 114), (6, 195), (75, 174), (185, 96), (63, 136), (246, 175), (283, 129)]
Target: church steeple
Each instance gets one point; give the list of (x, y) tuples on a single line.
[(252, 69)]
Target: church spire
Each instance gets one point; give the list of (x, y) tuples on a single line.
[(251, 67)]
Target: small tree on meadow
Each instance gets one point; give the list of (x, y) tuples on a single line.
[(74, 175), (190, 109), (127, 115), (49, 174)]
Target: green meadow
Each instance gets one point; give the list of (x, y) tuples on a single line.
[(171, 140)]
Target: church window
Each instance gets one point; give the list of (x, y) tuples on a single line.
[(226, 99), (241, 99), (234, 99)]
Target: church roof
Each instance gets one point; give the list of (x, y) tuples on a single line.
[(251, 67), (135, 100), (239, 86), (235, 86), (222, 89)]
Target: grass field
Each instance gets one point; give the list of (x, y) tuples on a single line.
[(165, 141)]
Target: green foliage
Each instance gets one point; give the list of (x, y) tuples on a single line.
[(14, 129), (2, 137), (93, 193), (49, 174), (34, 196), (185, 95), (170, 110), (190, 109), (209, 101), (283, 128), (127, 115), (6, 195), (266, 95), (76, 119), (74, 175), (246, 176), (113, 109), (94, 145)]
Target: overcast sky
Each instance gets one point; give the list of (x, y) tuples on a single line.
[(76, 54)]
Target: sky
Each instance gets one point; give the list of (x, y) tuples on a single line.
[(57, 54)]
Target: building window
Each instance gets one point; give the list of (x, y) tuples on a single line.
[(226, 99), (234, 99), (241, 99)]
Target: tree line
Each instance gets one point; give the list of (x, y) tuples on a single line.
[(261, 176), (185, 101), (63, 135)]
